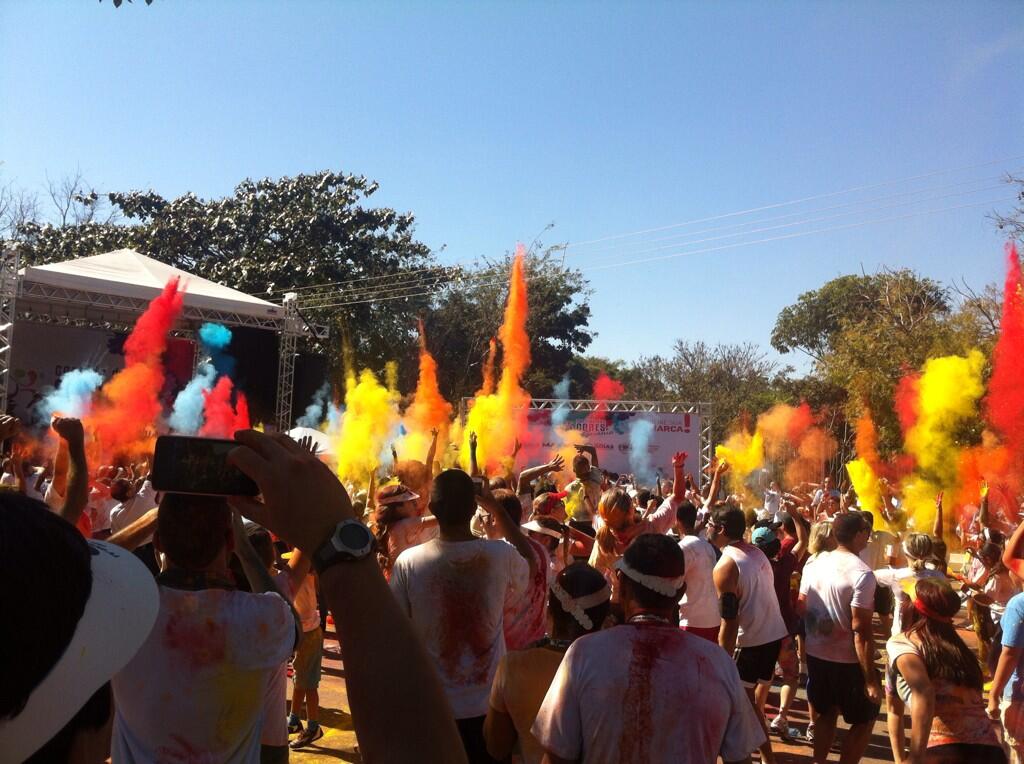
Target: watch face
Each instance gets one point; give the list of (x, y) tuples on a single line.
[(353, 536)]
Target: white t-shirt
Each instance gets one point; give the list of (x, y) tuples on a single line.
[(195, 690), (1001, 589), (699, 606), (647, 693), (100, 509), (760, 617), (456, 593), (896, 579), (127, 513), (833, 585), (772, 501)]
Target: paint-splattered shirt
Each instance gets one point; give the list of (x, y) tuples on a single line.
[(456, 593), (526, 618), (646, 693), (195, 690)]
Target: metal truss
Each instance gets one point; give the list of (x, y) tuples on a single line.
[(703, 410), (294, 325), (130, 307), (8, 297), (42, 303), (659, 407)]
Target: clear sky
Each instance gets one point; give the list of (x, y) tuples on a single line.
[(491, 120)]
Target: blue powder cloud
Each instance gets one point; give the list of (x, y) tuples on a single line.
[(72, 397)]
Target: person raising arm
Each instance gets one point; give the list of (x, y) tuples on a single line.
[(403, 688), (76, 488)]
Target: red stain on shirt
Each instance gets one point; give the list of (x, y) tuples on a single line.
[(466, 642), (201, 640), (655, 649), (526, 619), (637, 706)]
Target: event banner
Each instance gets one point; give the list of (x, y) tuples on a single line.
[(41, 353), (612, 434)]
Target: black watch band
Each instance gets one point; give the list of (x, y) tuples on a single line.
[(350, 540)]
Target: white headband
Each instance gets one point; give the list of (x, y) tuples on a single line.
[(668, 587), (576, 606)]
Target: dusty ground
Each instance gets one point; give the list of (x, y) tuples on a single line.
[(339, 741)]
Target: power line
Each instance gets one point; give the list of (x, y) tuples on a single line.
[(414, 277), (697, 251), (798, 201), (756, 221), (566, 246), (421, 282), (418, 285), (816, 220)]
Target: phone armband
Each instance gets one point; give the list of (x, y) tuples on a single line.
[(730, 606)]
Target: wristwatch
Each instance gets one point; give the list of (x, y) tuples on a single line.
[(351, 540)]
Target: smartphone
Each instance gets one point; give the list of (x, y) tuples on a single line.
[(478, 486), (198, 465)]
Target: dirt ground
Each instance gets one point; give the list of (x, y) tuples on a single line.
[(339, 740)]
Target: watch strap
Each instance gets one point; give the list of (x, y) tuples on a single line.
[(328, 553)]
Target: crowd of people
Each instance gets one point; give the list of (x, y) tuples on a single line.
[(492, 618)]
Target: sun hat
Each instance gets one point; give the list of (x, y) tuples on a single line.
[(119, 614)]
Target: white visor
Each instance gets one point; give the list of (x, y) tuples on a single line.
[(534, 527), (119, 614)]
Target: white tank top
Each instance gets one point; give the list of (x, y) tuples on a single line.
[(760, 618)]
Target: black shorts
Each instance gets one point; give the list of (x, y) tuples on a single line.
[(839, 686), (757, 664), (885, 601)]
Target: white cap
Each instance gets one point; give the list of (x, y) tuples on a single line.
[(119, 614)]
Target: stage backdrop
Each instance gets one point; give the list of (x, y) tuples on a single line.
[(608, 432), (43, 352)]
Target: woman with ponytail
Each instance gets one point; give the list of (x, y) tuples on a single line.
[(934, 672), (919, 549), (621, 523)]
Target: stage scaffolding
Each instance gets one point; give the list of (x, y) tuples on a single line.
[(703, 410), (23, 299)]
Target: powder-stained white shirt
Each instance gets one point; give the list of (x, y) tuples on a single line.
[(647, 693), (195, 690), (456, 593)]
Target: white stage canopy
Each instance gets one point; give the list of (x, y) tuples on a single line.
[(111, 290), (128, 279)]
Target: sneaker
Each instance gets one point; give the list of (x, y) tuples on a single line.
[(309, 735), (783, 730), (809, 735), (295, 726)]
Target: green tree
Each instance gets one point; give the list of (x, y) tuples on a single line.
[(1012, 223), (738, 380), (267, 236), (866, 332), (464, 317)]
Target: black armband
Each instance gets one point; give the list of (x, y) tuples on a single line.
[(730, 605)]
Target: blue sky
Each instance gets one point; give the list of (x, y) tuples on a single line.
[(492, 120)]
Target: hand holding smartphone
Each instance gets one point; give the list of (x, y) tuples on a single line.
[(478, 485), (184, 464)]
